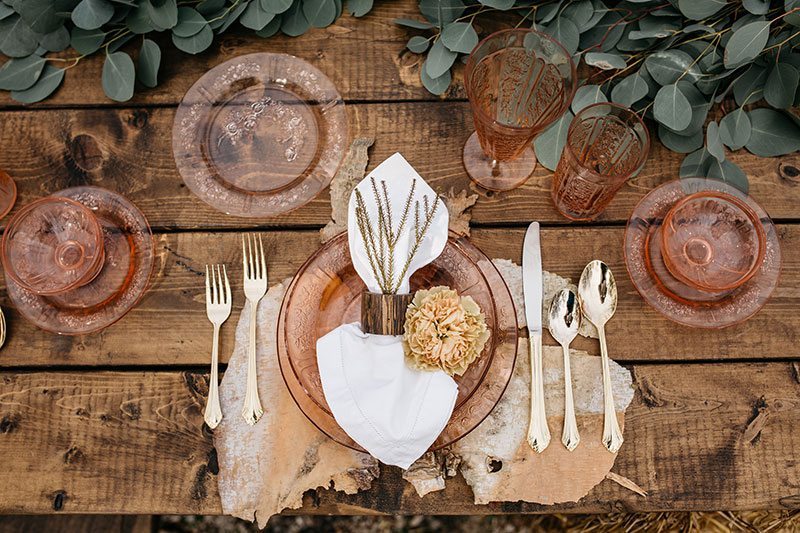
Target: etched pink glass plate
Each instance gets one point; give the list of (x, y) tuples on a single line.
[(260, 135), (676, 300), (122, 280), (326, 293)]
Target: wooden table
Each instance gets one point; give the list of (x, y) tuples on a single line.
[(112, 422)]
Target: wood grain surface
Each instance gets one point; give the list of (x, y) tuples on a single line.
[(112, 422), (697, 437), (169, 326), (130, 151)]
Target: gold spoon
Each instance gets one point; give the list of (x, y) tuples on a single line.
[(598, 300), (565, 318)]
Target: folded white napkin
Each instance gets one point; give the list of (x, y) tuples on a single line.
[(393, 411)]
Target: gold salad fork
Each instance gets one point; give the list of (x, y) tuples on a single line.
[(218, 309), (255, 286)]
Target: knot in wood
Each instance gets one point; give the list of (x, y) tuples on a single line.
[(789, 171), (85, 151)]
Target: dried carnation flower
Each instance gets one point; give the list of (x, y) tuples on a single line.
[(444, 331)]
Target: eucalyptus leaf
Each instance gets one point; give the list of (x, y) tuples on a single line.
[(671, 108), (728, 172), (319, 13), (209, 7), (138, 20), (441, 12), (459, 37), (683, 144), (605, 61), (667, 66), (734, 129), (17, 39), (696, 164), (606, 34), (47, 83), (699, 106), (196, 43), (270, 29), (586, 96), (294, 22), (418, 44), (87, 42), (564, 31), (118, 76), (416, 24), (276, 6), (749, 87), (436, 85), (700, 9), (773, 133), (41, 15), (579, 11), (746, 43), (440, 59), (713, 142), (6, 11), (255, 17), (232, 17), (756, 7), (549, 144), (20, 74), (502, 5), (149, 63), (359, 8), (163, 13), (55, 41), (630, 90), (781, 86), (92, 14), (190, 22)]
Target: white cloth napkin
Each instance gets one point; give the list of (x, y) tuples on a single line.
[(391, 410)]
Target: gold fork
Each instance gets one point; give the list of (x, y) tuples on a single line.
[(255, 286), (218, 309)]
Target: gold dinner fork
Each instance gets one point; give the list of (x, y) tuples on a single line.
[(218, 309), (255, 286)]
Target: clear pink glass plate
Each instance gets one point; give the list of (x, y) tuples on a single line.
[(326, 293), (121, 282), (675, 300), (260, 135)]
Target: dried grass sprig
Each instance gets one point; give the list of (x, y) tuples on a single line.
[(381, 248)]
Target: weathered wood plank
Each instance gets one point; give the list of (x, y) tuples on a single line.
[(169, 325), (131, 442), (130, 150), (366, 59)]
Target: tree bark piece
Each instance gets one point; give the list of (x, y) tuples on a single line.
[(266, 468), (384, 314)]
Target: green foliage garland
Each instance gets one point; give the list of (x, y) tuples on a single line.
[(671, 60)]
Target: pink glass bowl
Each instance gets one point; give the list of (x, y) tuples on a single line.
[(53, 245), (712, 241)]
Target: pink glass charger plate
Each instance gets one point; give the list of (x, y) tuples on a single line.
[(121, 282), (674, 300), (326, 293), (260, 135)]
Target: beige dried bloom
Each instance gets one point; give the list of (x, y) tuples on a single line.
[(444, 331)]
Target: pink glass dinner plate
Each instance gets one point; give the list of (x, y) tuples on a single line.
[(326, 293), (122, 280), (676, 300), (260, 135)]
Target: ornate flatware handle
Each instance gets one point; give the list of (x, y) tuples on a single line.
[(612, 435), (538, 432), (252, 410)]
